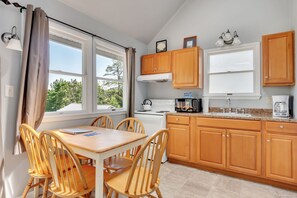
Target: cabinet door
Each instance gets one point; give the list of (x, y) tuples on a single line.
[(281, 157), (185, 68), (148, 64), (211, 149), (163, 62), (178, 146), (244, 151), (278, 59)]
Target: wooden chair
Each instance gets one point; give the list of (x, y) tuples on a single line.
[(103, 121), (124, 160), (72, 180), (38, 168), (142, 178)]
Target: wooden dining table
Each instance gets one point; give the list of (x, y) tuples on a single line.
[(100, 144)]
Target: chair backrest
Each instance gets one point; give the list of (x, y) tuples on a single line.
[(103, 121), (131, 125), (144, 172), (35, 155), (64, 164)]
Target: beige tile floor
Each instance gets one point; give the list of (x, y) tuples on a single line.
[(179, 181)]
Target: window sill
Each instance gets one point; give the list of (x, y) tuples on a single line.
[(78, 116)]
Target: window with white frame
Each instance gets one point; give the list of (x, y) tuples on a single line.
[(233, 71), (86, 75), (110, 77), (68, 79)]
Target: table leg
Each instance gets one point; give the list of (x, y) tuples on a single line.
[(99, 178)]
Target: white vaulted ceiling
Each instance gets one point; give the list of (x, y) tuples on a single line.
[(140, 19)]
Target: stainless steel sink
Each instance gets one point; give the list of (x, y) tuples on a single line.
[(230, 114)]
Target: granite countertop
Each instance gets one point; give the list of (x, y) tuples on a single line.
[(260, 117)]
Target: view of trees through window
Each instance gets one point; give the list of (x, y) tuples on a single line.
[(110, 92), (65, 92)]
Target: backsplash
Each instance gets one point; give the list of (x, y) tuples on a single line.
[(252, 111)]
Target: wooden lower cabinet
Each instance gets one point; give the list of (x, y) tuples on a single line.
[(211, 150), (178, 142), (244, 151), (281, 157), (261, 150)]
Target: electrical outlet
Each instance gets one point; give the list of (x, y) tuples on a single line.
[(269, 100), (9, 91)]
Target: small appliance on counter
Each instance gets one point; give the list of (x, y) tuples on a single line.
[(147, 104), (189, 105), (282, 106)]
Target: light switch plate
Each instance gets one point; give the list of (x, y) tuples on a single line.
[(9, 91)]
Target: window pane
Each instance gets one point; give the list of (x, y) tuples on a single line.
[(65, 58), (231, 83), (109, 94), (64, 93), (234, 61), (107, 67)]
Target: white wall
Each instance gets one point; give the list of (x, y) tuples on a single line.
[(15, 168), (294, 20), (208, 19)]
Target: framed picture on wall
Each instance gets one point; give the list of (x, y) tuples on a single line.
[(161, 46), (190, 42)]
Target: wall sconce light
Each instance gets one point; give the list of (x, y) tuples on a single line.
[(12, 40), (228, 39)]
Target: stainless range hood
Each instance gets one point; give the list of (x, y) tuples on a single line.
[(155, 77)]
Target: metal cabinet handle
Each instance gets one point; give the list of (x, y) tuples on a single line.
[(177, 119), (281, 126), (227, 135), (223, 135), (267, 140), (266, 77)]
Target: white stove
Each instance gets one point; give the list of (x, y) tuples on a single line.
[(155, 119)]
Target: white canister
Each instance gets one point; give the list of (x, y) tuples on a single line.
[(205, 104)]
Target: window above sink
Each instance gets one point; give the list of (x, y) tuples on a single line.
[(233, 72)]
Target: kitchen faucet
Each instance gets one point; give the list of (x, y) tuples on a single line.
[(229, 105)]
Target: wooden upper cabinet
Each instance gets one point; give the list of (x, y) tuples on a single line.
[(244, 151), (156, 63), (147, 64), (187, 68), (278, 59), (163, 62)]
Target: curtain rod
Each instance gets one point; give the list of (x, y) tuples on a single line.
[(6, 2)]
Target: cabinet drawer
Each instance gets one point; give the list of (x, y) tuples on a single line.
[(283, 127), (178, 119), (229, 123)]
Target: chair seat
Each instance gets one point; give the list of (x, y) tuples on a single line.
[(118, 182), (89, 174), (117, 163)]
